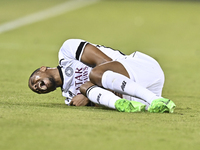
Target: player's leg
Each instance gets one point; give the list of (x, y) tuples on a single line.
[(118, 80), (107, 98)]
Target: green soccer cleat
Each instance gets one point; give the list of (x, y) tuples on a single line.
[(124, 105), (162, 105)]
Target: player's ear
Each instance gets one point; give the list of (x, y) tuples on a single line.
[(43, 68)]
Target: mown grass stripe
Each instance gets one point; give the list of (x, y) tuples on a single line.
[(45, 14)]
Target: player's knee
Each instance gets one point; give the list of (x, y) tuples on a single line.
[(96, 75)]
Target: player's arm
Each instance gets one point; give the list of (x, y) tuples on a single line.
[(82, 51), (92, 56)]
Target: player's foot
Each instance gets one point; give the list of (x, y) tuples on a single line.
[(124, 105), (162, 105)]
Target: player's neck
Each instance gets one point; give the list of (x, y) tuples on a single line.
[(58, 78), (55, 73)]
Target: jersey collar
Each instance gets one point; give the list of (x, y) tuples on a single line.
[(61, 75)]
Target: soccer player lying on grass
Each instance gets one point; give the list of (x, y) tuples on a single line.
[(93, 72)]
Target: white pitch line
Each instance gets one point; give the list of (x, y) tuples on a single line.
[(45, 14)]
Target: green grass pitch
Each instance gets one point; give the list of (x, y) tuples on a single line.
[(167, 30)]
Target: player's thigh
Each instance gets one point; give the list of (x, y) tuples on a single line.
[(97, 72)]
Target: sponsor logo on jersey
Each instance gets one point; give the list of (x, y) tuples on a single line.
[(81, 76), (69, 71)]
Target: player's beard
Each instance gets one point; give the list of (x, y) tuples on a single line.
[(53, 83)]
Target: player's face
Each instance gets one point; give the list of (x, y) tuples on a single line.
[(42, 83)]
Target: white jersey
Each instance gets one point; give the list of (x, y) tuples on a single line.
[(73, 72)]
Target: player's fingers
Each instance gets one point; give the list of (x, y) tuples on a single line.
[(71, 103)]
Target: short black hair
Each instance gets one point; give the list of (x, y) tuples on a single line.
[(37, 70), (31, 76), (34, 72)]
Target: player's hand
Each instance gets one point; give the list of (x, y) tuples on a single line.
[(79, 100)]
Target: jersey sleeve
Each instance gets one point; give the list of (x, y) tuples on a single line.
[(73, 48)]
